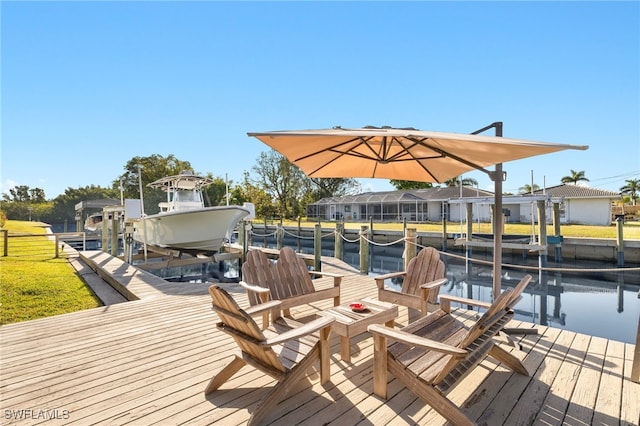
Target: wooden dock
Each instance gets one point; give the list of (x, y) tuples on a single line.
[(148, 361)]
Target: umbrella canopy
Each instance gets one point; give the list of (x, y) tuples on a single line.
[(403, 154), (406, 154)]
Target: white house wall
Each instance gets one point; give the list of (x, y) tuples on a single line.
[(587, 211), (525, 211), (482, 211), (434, 211)]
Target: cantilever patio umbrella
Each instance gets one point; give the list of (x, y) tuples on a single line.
[(408, 154)]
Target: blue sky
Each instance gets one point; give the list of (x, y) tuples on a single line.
[(86, 86)]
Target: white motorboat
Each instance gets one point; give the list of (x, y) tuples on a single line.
[(93, 223), (184, 223)]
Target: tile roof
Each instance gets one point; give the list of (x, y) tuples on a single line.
[(410, 195), (448, 193), (577, 191)]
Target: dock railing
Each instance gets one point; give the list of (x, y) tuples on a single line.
[(39, 245)]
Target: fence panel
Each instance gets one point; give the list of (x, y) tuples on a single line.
[(41, 246)]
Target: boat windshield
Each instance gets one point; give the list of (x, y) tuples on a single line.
[(187, 196)]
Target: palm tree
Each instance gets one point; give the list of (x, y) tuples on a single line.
[(409, 184), (632, 188), (527, 189), (575, 177), (465, 182)]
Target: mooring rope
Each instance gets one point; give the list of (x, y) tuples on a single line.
[(263, 235), (298, 236), (346, 239), (382, 244)]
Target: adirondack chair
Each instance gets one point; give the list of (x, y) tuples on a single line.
[(286, 355), (287, 280), (421, 284), (432, 355)]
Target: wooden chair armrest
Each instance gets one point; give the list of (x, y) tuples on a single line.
[(446, 299), (434, 284), (380, 278), (413, 340), (337, 278), (390, 275), (263, 307), (253, 288), (296, 333), (325, 274)]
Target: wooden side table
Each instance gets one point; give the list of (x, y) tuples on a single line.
[(349, 323)]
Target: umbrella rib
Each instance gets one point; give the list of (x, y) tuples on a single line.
[(380, 156), (449, 155), (405, 150), (334, 149)]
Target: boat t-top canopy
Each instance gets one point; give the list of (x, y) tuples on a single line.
[(183, 181)]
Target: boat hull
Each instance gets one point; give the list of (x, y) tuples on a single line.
[(203, 229)]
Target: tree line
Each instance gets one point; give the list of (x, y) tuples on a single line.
[(277, 188)]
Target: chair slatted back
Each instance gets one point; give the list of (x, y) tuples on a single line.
[(422, 269), (479, 334), (260, 271), (517, 290), (496, 311), (503, 303), (294, 276), (244, 330)]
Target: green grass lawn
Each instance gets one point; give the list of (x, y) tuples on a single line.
[(35, 284)]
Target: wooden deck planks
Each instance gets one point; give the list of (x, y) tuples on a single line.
[(583, 398), (630, 411), (609, 401), (552, 345), (561, 389), (148, 362)]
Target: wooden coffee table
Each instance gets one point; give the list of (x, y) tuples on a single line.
[(349, 323)]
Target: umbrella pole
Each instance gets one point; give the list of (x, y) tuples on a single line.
[(497, 177), (497, 232)]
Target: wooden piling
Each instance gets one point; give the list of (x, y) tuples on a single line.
[(364, 249), (469, 212), (338, 246), (299, 234), (279, 236), (317, 247), (265, 232), (542, 225), (410, 245), (104, 238), (444, 233), (115, 231), (620, 241), (556, 231)]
